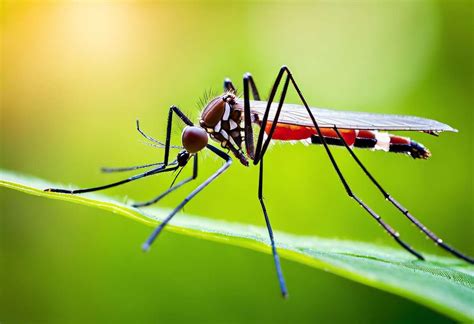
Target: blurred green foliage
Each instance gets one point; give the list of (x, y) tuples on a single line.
[(76, 75)]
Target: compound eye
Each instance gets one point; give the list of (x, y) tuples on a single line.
[(194, 139), (213, 112)]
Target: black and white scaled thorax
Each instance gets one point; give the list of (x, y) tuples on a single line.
[(222, 118)]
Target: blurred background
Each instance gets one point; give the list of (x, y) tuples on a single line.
[(75, 76)]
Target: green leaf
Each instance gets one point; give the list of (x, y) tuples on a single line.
[(443, 284)]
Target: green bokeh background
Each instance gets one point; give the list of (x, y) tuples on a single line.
[(76, 75)]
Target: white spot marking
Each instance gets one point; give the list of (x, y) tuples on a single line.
[(233, 124), (306, 141), (231, 140), (356, 133), (383, 141), (217, 128), (224, 133), (226, 112)]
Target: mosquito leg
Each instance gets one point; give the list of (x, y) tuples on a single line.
[(185, 119), (257, 155), (263, 149), (395, 235), (260, 151), (121, 169), (432, 236), (179, 113), (249, 78), (276, 258), (248, 131), (167, 145), (229, 86), (228, 162), (172, 188), (159, 169), (276, 84)]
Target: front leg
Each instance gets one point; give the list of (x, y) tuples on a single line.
[(159, 228), (173, 186), (159, 167)]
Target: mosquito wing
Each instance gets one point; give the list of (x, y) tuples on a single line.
[(297, 115)]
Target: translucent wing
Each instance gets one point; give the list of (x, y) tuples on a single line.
[(297, 115)]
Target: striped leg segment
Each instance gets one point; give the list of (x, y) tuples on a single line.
[(432, 236)]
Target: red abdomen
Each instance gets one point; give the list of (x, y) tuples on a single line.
[(354, 138), (287, 132)]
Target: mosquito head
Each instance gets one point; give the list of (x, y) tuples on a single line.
[(194, 139)]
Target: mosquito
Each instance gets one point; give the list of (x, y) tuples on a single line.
[(230, 121)]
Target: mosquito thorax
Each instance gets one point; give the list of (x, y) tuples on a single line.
[(222, 122), (194, 139)]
